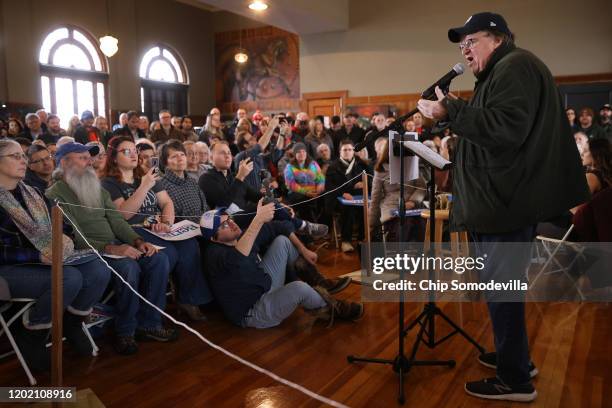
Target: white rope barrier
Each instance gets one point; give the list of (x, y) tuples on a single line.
[(255, 367), (238, 214)]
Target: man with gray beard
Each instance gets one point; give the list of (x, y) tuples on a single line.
[(93, 213)]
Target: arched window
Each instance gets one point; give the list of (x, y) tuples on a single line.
[(163, 82), (73, 74)]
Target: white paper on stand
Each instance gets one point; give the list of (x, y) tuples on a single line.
[(180, 231), (428, 155), (411, 163)]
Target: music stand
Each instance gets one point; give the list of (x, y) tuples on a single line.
[(426, 319)]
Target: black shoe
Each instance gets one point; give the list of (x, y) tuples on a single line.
[(75, 334), (159, 334), (33, 347), (490, 360), (125, 345), (493, 388)]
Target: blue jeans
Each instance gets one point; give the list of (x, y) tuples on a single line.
[(83, 285), (507, 318), (281, 300), (147, 275), (184, 261)]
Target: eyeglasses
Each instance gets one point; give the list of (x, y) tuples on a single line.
[(469, 43), (128, 152), (17, 156), (44, 159)]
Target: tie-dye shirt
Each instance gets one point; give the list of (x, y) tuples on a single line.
[(304, 179)]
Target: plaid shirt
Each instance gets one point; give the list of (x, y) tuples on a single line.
[(15, 248), (189, 200)]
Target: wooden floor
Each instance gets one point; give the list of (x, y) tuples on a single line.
[(570, 344)]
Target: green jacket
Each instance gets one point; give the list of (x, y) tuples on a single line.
[(516, 163), (100, 227)]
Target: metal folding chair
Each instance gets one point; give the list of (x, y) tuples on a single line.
[(5, 329), (552, 247)]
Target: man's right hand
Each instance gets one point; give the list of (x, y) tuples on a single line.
[(265, 213), (123, 250), (245, 167)]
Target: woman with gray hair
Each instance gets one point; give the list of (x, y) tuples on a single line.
[(25, 264)]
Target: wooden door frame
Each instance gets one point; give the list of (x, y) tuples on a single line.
[(311, 96)]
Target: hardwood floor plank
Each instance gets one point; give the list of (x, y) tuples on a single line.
[(569, 342)]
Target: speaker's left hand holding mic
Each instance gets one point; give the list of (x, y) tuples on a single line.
[(434, 109)]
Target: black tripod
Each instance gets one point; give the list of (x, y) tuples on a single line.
[(426, 319)]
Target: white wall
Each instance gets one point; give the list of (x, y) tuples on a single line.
[(401, 46)]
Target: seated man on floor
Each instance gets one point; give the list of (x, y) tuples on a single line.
[(248, 272), (139, 263), (222, 188)]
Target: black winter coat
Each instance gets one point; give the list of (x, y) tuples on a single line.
[(516, 163)]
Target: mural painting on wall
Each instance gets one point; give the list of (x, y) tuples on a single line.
[(270, 77)]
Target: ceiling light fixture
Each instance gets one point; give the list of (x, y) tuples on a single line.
[(108, 43), (258, 5), (241, 56)]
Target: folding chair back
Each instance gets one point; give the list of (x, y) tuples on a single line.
[(5, 325)]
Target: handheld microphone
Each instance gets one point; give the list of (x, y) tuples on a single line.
[(445, 81)]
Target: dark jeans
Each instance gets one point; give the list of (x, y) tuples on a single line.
[(149, 276), (281, 214), (83, 286), (184, 262), (348, 215), (507, 318)]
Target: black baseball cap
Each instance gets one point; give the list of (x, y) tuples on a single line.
[(479, 22)]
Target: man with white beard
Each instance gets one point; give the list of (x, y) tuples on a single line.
[(138, 262)]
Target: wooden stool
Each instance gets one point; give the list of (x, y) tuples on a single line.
[(458, 240), (459, 247)]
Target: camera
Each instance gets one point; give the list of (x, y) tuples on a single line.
[(266, 179)]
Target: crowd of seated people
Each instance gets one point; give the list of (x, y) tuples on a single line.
[(261, 187)]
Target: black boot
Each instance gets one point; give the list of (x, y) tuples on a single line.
[(75, 335), (32, 344), (311, 275)]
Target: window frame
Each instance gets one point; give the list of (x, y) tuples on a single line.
[(180, 89), (75, 74)]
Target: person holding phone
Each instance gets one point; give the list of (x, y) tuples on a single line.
[(146, 156), (145, 204)]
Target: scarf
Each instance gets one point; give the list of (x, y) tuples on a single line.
[(350, 165), (35, 225)]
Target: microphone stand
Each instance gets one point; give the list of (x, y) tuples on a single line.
[(402, 364)]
